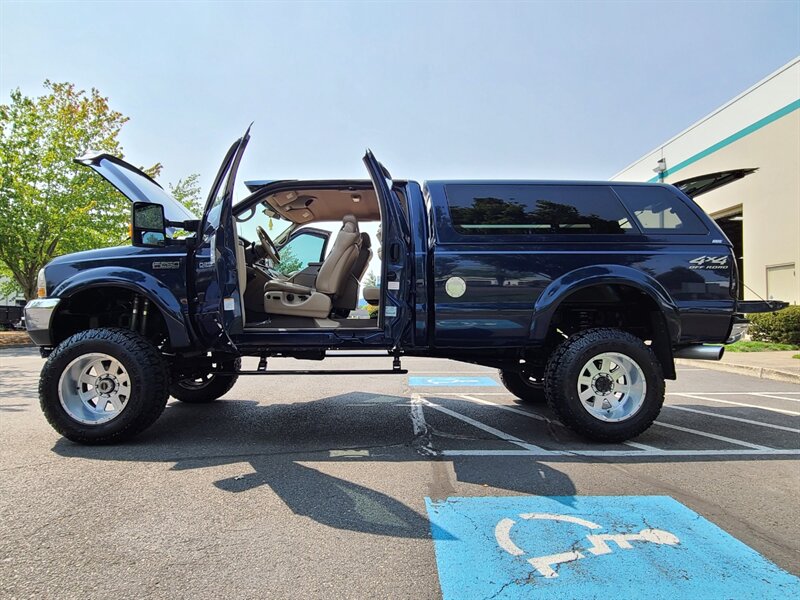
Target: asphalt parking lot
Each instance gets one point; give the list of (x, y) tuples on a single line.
[(326, 486)]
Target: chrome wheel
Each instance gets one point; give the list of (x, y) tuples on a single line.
[(94, 388), (611, 387)]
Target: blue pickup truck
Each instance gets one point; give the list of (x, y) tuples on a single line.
[(582, 294)]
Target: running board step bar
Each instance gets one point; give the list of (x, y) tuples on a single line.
[(318, 372)]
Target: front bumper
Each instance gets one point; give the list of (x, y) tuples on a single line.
[(38, 316)]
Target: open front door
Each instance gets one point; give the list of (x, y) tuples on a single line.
[(396, 316), (217, 302)]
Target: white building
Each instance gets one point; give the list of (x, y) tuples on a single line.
[(760, 213)]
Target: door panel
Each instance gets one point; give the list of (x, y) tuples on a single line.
[(218, 309), (396, 268)]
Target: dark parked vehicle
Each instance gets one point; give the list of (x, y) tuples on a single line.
[(580, 293), (11, 316)]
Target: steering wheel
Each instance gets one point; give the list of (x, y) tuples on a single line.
[(268, 245)]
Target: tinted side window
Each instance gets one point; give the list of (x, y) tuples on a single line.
[(658, 210), (536, 209), (303, 249)]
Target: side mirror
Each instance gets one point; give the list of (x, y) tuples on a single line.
[(148, 225)]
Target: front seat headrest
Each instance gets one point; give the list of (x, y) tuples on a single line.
[(349, 224)]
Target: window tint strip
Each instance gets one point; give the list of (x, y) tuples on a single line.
[(537, 209)]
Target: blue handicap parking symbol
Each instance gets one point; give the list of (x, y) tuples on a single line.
[(591, 547), (452, 381)]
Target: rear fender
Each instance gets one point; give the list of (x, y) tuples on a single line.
[(139, 282), (559, 289)]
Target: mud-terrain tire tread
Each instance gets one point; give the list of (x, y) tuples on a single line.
[(513, 382), (216, 388), (575, 416), (151, 385)]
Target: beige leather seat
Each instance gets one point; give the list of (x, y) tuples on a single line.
[(372, 295), (347, 300), (286, 298)]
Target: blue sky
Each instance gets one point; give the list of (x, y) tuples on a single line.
[(467, 90)]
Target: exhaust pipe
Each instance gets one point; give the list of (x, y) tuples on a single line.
[(700, 352)]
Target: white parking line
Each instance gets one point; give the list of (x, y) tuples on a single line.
[(737, 393), (721, 401), (488, 429), (622, 453), (729, 418), (541, 418), (713, 436), (765, 395), (506, 394), (642, 446), (508, 408), (527, 449), (422, 433)]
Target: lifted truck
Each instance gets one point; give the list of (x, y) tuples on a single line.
[(580, 293)]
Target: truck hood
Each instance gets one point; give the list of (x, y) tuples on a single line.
[(115, 253), (134, 184)]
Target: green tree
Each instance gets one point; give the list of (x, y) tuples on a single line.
[(289, 262), (370, 280), (187, 191), (48, 204)]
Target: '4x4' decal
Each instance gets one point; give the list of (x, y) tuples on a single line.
[(709, 262)]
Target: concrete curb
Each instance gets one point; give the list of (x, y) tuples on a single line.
[(760, 372)]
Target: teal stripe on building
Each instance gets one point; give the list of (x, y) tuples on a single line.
[(788, 109)]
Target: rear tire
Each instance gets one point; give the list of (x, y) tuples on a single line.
[(207, 388), (605, 384), (522, 386), (103, 385)]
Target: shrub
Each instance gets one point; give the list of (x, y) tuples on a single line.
[(372, 311), (782, 327)]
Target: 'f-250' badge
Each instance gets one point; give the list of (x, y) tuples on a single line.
[(709, 262), (167, 264)]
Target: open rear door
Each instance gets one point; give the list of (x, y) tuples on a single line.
[(396, 316), (217, 310), (702, 184)]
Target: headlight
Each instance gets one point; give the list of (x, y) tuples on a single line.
[(41, 285)]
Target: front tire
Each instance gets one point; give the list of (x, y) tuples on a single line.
[(209, 387), (605, 384), (522, 386), (103, 385)]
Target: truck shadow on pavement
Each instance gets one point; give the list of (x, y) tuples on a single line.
[(292, 448), (285, 444)]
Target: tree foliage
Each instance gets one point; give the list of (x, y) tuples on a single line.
[(48, 204), (370, 280), (289, 262), (187, 191)]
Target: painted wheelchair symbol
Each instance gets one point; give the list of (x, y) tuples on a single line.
[(598, 543)]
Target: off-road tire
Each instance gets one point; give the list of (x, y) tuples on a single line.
[(149, 384), (563, 370), (522, 387), (214, 388)]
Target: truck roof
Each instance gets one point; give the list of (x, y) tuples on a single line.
[(538, 182)]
